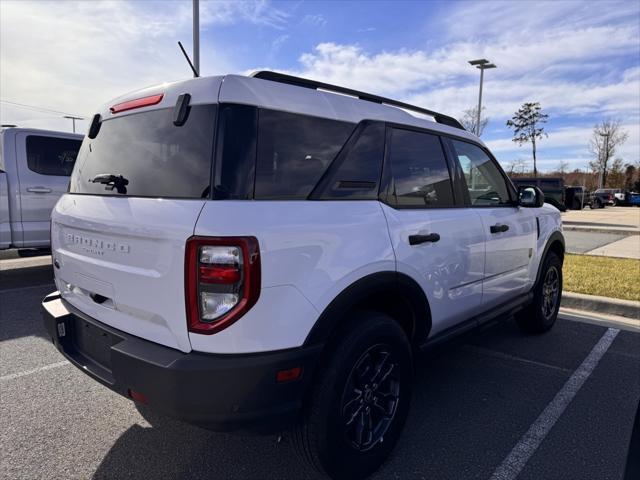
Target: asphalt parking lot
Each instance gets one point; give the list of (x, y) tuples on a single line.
[(479, 406)]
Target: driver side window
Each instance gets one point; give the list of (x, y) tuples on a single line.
[(484, 181)]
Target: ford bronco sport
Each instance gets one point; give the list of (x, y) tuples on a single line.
[(268, 252)]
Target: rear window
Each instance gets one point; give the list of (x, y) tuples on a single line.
[(154, 156), (294, 151), (51, 155)]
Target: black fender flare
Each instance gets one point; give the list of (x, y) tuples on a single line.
[(369, 286), (555, 238)]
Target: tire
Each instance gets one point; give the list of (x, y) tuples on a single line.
[(595, 204), (541, 314), (327, 435)]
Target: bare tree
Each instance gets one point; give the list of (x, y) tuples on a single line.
[(615, 175), (469, 120), (517, 167), (607, 136), (525, 123), (563, 167)]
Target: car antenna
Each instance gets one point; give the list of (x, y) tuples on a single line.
[(195, 72)]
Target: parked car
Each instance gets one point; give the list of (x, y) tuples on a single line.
[(624, 198), (35, 166), (609, 196), (268, 252), (553, 189)]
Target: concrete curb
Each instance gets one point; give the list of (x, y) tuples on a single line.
[(581, 228), (594, 303)]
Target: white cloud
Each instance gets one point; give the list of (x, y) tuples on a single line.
[(317, 20), (226, 12), (75, 56)]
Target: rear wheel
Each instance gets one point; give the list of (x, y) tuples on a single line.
[(595, 204), (356, 412), (541, 314)]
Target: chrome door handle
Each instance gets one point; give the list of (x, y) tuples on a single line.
[(39, 190), (499, 228), (418, 239)]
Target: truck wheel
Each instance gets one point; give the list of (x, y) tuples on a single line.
[(595, 204), (541, 314), (355, 414)]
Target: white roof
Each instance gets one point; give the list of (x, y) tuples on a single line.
[(279, 96)]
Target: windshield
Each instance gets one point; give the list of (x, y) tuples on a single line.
[(146, 155)]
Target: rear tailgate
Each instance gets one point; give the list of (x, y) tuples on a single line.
[(121, 261), (142, 176)]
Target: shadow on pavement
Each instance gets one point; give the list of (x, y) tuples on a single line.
[(471, 404)]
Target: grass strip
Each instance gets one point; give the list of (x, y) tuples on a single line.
[(604, 276)]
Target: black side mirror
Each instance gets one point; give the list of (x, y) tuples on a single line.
[(530, 197)]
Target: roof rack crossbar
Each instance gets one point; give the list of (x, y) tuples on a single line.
[(306, 83)]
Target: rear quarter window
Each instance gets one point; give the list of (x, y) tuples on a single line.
[(51, 155), (294, 151)]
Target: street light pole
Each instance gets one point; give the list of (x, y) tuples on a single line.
[(196, 35), (73, 119), (604, 161), (482, 64)]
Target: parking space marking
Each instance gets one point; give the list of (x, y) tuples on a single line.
[(513, 464), (33, 370)]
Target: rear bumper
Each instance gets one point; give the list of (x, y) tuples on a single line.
[(219, 392)]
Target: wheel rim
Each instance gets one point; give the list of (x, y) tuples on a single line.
[(370, 398), (550, 292)]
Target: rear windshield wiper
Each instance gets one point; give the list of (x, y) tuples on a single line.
[(112, 181)]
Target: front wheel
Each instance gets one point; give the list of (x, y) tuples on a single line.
[(541, 314), (356, 412)]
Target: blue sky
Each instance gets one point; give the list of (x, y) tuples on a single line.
[(581, 60)]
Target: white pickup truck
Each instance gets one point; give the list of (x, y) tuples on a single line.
[(35, 166)]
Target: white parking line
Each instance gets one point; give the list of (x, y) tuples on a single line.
[(34, 370), (511, 466)]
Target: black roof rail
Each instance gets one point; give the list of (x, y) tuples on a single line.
[(306, 83)]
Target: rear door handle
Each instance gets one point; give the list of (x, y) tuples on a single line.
[(499, 228), (39, 190), (418, 239)]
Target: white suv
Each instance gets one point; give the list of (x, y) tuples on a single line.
[(261, 252)]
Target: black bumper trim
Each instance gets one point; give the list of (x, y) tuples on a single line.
[(216, 391)]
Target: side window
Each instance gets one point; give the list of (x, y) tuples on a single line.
[(420, 176), (51, 156), (485, 183), (294, 151), (358, 174)]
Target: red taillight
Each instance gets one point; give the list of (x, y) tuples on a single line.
[(137, 103), (222, 281), (288, 375), (138, 397), (220, 274)]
